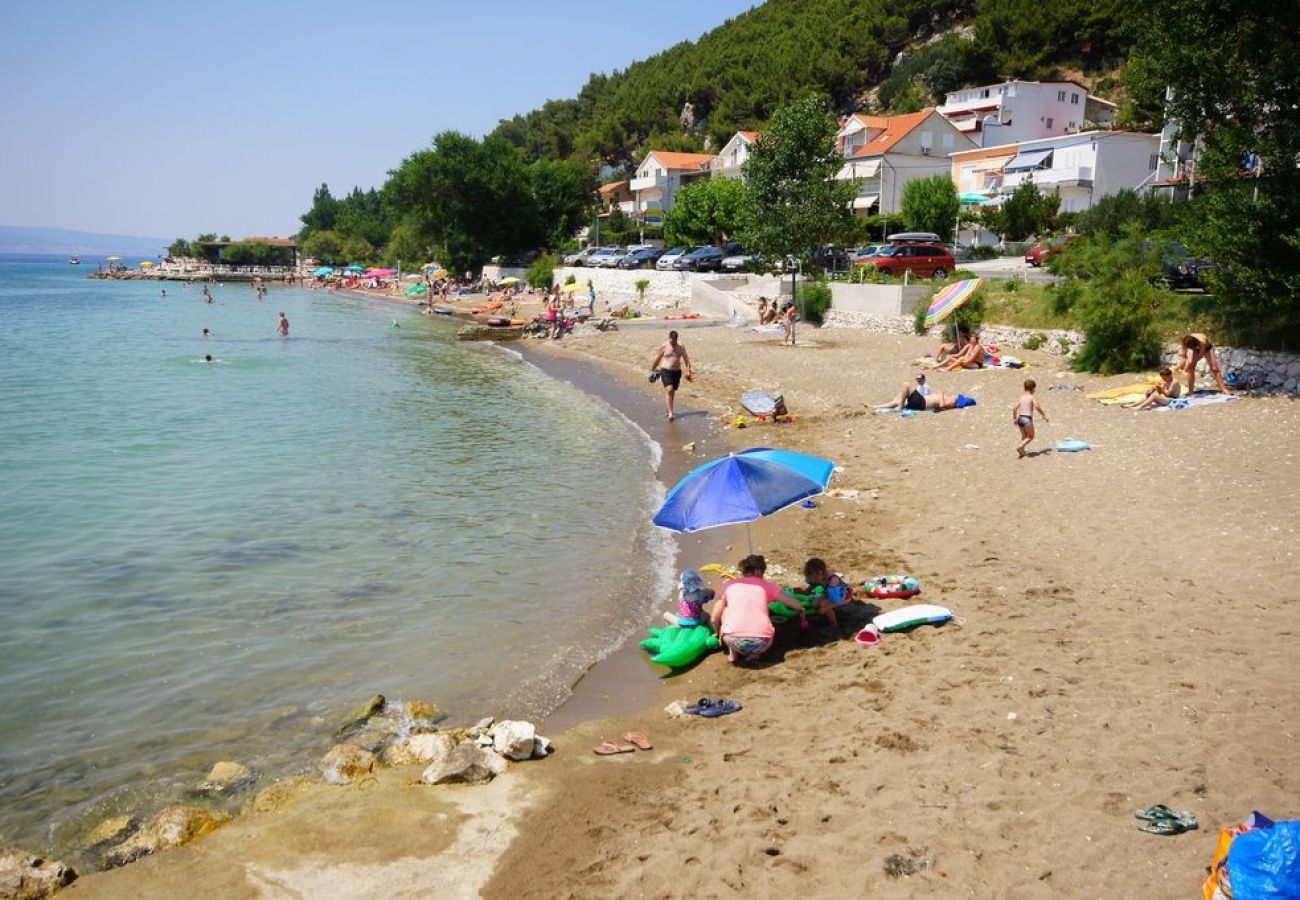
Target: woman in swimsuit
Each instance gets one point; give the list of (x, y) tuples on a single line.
[(1197, 347)]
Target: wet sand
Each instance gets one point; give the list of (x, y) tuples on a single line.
[(1126, 638)]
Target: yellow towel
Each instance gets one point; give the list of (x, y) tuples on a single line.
[(1139, 388)]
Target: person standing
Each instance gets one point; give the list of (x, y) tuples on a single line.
[(284, 325), (1022, 413), (1197, 347), (670, 364)]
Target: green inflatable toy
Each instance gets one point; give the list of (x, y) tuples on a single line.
[(807, 599), (676, 647)]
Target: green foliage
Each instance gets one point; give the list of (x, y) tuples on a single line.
[(1034, 341), (1231, 65), (325, 246), (562, 193), (1027, 211), (814, 299), (357, 250), (708, 211), (1031, 39), (983, 251), (930, 204), (570, 279), (180, 248), (931, 72), (642, 285), (405, 247), (256, 254), (1114, 215), (541, 274), (322, 215), (794, 202)]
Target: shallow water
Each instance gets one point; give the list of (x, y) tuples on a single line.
[(218, 561)]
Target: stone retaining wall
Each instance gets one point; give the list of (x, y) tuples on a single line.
[(1273, 371)]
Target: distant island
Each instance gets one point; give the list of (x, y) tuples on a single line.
[(29, 239)]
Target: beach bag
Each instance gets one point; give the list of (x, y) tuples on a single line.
[(1264, 864)]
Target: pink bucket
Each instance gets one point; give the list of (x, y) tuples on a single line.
[(868, 637)]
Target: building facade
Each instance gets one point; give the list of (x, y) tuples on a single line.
[(883, 153), (660, 176), (1014, 111)]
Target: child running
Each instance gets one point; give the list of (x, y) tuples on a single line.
[(1022, 413)]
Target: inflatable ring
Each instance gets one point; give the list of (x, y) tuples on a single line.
[(893, 587)]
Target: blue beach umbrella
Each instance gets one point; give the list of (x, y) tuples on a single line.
[(322, 272), (353, 268), (742, 487)]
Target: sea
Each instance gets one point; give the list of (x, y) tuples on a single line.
[(205, 561)]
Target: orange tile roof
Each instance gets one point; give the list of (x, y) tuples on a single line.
[(613, 187), (892, 130), (750, 136), (681, 161)]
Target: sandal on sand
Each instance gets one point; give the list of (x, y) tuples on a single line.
[(710, 708), (609, 748), (1163, 820), (638, 740)]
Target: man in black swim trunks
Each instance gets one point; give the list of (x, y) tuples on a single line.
[(670, 363), (917, 397)]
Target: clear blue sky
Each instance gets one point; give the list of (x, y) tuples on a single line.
[(173, 119)]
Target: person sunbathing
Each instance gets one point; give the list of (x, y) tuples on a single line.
[(1160, 393), (950, 348), (910, 396), (969, 357)]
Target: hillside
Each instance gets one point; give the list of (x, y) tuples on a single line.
[(735, 76), (61, 241)]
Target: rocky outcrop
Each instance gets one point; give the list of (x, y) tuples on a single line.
[(174, 826), (275, 797), (514, 740), (345, 763), (27, 877), (111, 830), (421, 749), (467, 763), (225, 777)]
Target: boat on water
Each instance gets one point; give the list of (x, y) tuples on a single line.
[(74, 260)]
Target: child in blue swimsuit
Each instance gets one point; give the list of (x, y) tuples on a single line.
[(691, 597), (835, 591)]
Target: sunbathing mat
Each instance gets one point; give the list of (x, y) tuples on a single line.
[(767, 329), (1200, 398), (1140, 389), (1122, 399)]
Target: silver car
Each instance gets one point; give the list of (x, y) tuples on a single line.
[(605, 258), (665, 263)]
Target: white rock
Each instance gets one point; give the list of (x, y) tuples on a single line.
[(514, 740), (482, 725), (27, 877), (467, 764), (420, 748), (345, 763), (542, 746), (676, 709)]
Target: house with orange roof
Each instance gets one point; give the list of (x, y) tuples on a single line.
[(660, 176), (883, 153), (617, 195), (730, 161)]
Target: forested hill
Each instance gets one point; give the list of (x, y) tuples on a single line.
[(738, 74)]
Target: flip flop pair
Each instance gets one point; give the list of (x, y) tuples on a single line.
[(635, 741), (711, 708), (1160, 819)]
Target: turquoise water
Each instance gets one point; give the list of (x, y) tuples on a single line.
[(217, 561)]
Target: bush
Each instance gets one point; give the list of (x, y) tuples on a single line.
[(982, 252), (571, 279), (815, 299), (541, 274), (1034, 341), (1118, 306)]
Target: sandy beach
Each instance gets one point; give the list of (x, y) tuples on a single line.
[(1122, 640)]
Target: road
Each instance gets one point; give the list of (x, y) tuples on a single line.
[(1008, 267)]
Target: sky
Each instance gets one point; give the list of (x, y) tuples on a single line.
[(173, 119)]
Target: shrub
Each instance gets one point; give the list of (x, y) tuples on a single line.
[(1118, 306), (1034, 341), (541, 274), (571, 279), (983, 251), (641, 285), (815, 299)]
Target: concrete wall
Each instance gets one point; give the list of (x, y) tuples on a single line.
[(879, 299), (619, 285), (496, 273)]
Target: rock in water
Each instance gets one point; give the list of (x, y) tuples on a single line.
[(345, 763), (225, 776), (113, 829), (514, 740), (467, 764), (418, 710), (174, 826), (277, 796), (27, 877), (542, 747), (420, 748)]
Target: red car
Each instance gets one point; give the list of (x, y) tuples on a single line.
[(926, 260), (1042, 249)]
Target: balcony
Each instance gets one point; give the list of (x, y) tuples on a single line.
[(978, 106), (647, 183), (1072, 176)]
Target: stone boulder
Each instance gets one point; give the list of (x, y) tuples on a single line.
[(27, 877), (514, 740), (420, 748), (111, 830), (225, 777), (174, 826), (276, 796), (466, 764), (346, 763), (542, 747)]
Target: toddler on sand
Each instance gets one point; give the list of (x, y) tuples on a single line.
[(691, 597), (835, 592), (1022, 413)]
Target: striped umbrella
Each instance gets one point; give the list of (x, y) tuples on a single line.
[(947, 301)]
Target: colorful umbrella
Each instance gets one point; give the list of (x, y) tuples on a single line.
[(947, 301), (571, 288), (322, 272), (510, 280), (353, 268), (112, 258), (146, 265), (972, 197), (436, 274), (381, 271), (743, 487)]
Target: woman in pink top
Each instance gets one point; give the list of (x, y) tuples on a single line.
[(741, 616)]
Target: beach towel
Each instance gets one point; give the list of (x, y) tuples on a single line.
[(963, 401), (1140, 389), (1200, 398), (1002, 362), (767, 329), (1123, 399)]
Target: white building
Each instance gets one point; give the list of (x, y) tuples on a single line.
[(660, 176), (883, 153), (730, 161), (1083, 167), (1016, 111)]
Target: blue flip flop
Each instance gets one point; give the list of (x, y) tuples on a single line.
[(710, 708)]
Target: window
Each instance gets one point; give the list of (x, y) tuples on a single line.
[(947, 141), (1074, 98), (1049, 123), (984, 93), (967, 174), (927, 139), (1060, 96), (1153, 161), (1070, 127)]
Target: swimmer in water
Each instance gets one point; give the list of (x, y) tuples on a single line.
[(207, 332), (164, 292), (207, 358), (284, 325)]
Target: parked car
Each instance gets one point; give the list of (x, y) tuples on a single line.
[(862, 254), (742, 262), (831, 259), (702, 258), (1179, 270), (579, 258), (641, 258), (605, 258), (923, 259), (665, 262), (1037, 254), (914, 237)]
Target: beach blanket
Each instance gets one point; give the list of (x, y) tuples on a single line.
[(1002, 362), (1200, 398), (1124, 399), (1140, 389), (766, 329)]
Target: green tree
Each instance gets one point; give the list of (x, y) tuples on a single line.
[(930, 204), (179, 248), (356, 250), (321, 216), (325, 246), (1027, 211), (562, 195), (707, 212), (794, 203), (1235, 86), (404, 247)]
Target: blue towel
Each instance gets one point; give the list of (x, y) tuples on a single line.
[(963, 401)]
